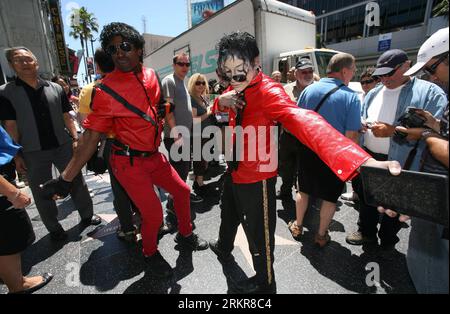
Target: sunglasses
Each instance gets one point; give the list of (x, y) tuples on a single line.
[(198, 83), (432, 69), (304, 72), (183, 64), (124, 46), (367, 82), (237, 78), (392, 72)]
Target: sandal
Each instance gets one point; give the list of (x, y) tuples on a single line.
[(295, 229)]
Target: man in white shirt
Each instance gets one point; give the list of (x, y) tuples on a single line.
[(381, 110)]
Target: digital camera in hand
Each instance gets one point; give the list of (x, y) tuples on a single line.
[(410, 120), (218, 88)]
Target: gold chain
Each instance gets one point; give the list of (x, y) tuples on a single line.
[(266, 232)]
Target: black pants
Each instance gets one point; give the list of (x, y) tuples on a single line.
[(200, 166), (182, 167), (288, 162), (253, 206), (122, 203), (369, 217)]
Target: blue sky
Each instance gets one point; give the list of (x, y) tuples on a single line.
[(167, 17)]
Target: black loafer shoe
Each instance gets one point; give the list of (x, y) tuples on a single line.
[(158, 266), (251, 286), (222, 256), (58, 235), (46, 278), (194, 242), (94, 221)]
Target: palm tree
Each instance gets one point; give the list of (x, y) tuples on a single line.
[(441, 8), (83, 28)]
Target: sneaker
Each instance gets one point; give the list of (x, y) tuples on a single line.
[(357, 238), (350, 196), (193, 242), (158, 265), (129, 236), (295, 229), (322, 241), (196, 198), (222, 256)]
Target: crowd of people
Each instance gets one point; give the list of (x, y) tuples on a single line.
[(326, 135)]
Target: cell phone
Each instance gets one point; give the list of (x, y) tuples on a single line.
[(369, 125), (416, 194)]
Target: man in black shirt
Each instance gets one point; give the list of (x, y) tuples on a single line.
[(35, 114)]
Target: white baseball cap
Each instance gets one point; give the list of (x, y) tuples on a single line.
[(435, 45)]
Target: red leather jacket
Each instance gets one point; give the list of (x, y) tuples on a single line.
[(130, 129), (267, 104)]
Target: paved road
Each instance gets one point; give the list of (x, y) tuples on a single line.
[(94, 261)]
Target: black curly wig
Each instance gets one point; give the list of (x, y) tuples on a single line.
[(128, 33), (239, 45)]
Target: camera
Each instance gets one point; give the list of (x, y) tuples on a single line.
[(410, 119), (218, 88)]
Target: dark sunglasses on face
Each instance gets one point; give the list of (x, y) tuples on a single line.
[(183, 64), (304, 72), (198, 83), (431, 70), (237, 78), (124, 46), (367, 82), (392, 72)]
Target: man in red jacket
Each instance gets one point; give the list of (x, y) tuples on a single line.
[(135, 159), (248, 198)]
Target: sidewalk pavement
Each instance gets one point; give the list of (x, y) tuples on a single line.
[(95, 261)]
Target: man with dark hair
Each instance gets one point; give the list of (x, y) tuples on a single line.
[(248, 198), (122, 203), (381, 110), (128, 103), (427, 256), (175, 91), (368, 80), (36, 115)]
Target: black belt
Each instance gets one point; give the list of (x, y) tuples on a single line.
[(125, 150)]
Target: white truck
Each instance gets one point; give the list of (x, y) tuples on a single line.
[(277, 27), (319, 57)]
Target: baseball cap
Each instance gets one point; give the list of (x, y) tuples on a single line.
[(304, 63), (435, 45), (389, 60)]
